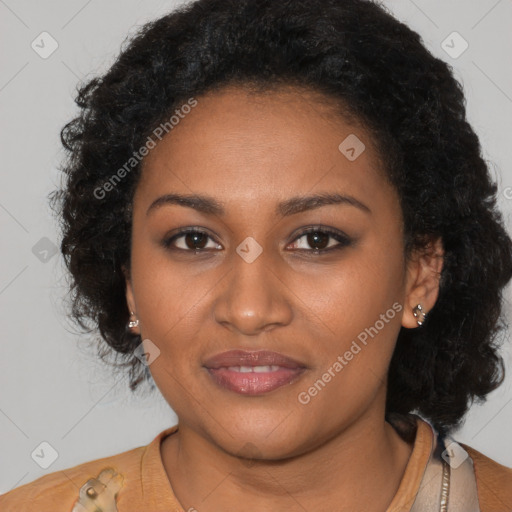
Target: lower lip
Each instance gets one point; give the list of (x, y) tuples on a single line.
[(253, 383)]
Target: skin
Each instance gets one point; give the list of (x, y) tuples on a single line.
[(251, 152)]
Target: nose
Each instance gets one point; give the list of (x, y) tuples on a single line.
[(253, 298)]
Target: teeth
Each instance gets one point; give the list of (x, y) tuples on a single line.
[(255, 369)]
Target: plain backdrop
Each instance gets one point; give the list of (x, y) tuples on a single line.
[(52, 388)]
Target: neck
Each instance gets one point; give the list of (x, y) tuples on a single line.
[(366, 460)]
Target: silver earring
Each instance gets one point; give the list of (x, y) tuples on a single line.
[(417, 311), (133, 323)]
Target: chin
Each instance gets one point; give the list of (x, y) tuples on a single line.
[(262, 439)]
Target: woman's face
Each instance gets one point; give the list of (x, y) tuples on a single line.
[(255, 281)]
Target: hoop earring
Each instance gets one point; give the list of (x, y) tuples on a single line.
[(133, 323), (417, 311)]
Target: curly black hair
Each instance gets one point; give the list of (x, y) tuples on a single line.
[(355, 53)]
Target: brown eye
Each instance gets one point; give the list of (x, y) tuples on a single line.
[(321, 240), (196, 240), (190, 240), (318, 240)]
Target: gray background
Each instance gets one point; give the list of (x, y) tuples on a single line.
[(52, 389)]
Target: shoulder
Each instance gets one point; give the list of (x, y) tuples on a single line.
[(493, 480), (61, 489)]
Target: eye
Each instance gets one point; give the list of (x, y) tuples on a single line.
[(193, 239), (322, 240)]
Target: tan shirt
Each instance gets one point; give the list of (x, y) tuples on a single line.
[(137, 482)]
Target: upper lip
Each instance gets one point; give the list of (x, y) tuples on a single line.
[(251, 358)]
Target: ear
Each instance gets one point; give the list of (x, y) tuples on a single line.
[(422, 282), (130, 299)]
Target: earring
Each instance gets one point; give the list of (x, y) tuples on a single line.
[(132, 323), (417, 311)]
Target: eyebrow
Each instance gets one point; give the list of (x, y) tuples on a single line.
[(211, 206)]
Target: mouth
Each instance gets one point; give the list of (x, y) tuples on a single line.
[(253, 373)]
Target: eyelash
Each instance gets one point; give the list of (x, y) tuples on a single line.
[(344, 240)]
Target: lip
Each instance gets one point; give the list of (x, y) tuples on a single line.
[(251, 358), (223, 368)]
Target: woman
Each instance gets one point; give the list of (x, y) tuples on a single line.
[(278, 211)]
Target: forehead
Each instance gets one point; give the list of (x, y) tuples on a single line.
[(244, 146)]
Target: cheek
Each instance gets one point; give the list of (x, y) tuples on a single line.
[(360, 323), (348, 297), (359, 317), (168, 299), (167, 306)]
